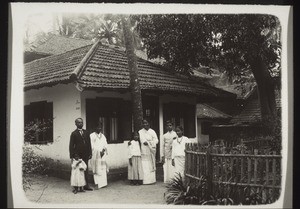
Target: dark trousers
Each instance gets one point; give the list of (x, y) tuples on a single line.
[(86, 172)]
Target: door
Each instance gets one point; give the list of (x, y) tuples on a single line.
[(151, 114)]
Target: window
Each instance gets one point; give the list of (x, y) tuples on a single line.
[(181, 114), (115, 116), (38, 124), (205, 127)]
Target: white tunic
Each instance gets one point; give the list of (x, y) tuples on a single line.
[(134, 149), (166, 144), (77, 175), (178, 146), (166, 151), (98, 163), (148, 154), (178, 154)]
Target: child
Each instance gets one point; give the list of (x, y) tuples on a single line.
[(135, 171), (77, 174), (178, 154)]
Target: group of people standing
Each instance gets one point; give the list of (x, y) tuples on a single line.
[(141, 155), (84, 147), (173, 152)]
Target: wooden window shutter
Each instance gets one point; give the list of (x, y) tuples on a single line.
[(190, 121), (27, 114), (125, 121), (49, 118)]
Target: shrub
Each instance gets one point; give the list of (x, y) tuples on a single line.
[(33, 129), (181, 193), (33, 164)]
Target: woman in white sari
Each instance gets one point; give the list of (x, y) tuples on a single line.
[(99, 155), (148, 140)]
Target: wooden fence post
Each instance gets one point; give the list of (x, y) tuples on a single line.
[(209, 172), (186, 160)]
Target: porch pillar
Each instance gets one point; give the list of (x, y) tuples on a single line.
[(161, 118)]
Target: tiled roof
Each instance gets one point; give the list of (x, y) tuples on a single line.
[(205, 111), (53, 69), (106, 67), (250, 114), (55, 44)]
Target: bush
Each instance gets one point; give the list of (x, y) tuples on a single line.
[(35, 128), (182, 193), (33, 164)]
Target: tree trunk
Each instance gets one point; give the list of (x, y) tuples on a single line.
[(136, 95), (266, 90)]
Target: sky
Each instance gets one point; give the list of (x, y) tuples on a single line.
[(38, 23)]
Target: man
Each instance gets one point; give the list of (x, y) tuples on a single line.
[(98, 161), (80, 144), (166, 151), (148, 140)]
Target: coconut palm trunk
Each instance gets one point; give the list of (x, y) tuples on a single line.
[(135, 88)]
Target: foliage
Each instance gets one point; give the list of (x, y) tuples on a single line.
[(34, 128), (223, 41), (276, 137), (104, 27), (179, 192), (33, 164), (242, 45)]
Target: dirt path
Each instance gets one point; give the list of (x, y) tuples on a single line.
[(55, 190)]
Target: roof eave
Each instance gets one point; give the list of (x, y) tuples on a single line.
[(38, 86)]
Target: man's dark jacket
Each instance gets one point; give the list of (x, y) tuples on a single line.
[(80, 145)]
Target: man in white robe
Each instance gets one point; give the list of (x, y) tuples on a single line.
[(99, 155), (166, 152), (148, 140)]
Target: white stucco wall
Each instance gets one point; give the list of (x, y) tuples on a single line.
[(66, 108), (69, 103)]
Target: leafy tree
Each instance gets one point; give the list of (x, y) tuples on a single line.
[(105, 27), (237, 44)]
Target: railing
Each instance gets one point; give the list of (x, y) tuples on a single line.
[(235, 167)]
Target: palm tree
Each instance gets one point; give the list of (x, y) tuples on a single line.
[(133, 70)]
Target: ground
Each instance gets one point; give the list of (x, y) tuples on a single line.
[(55, 190)]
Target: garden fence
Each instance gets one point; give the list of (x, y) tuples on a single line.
[(237, 167)]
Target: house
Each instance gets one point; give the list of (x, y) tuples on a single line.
[(52, 44), (229, 121), (92, 82), (246, 124), (206, 117)]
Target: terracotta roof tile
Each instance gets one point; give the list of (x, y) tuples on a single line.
[(56, 44), (101, 66), (250, 114), (53, 69), (205, 111)]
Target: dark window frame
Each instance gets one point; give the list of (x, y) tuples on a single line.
[(179, 112), (110, 107), (40, 111)]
